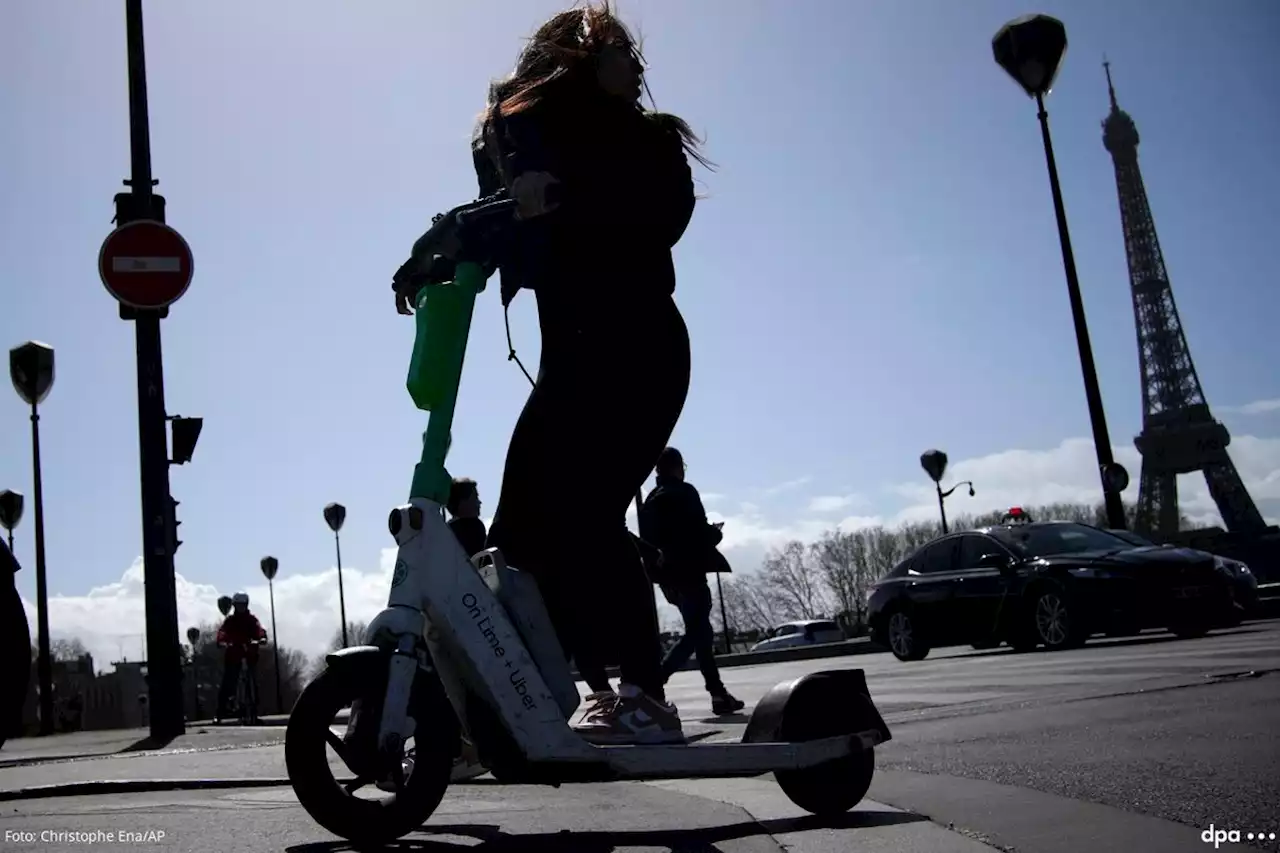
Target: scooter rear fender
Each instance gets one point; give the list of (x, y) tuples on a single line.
[(829, 694)]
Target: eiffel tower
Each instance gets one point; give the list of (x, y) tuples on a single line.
[(1179, 435)]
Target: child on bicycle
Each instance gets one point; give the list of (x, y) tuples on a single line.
[(240, 634)]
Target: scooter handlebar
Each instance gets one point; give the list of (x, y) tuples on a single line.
[(427, 264)]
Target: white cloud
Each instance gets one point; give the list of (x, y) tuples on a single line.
[(833, 503), (749, 535), (110, 620), (788, 486), (1067, 473), (1257, 407)]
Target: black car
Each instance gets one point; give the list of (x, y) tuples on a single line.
[(1244, 583), (1051, 584)]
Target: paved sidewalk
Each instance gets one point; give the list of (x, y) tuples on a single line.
[(726, 816), (75, 746)]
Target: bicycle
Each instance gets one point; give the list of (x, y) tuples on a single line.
[(246, 697)]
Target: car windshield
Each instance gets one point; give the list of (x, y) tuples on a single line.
[(1035, 540), (1132, 537)]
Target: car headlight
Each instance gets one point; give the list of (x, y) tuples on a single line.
[(1231, 568)]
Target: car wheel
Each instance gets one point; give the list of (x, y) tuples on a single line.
[(904, 637), (1055, 620)]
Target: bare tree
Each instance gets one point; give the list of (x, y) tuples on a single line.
[(885, 549), (355, 635), (788, 574), (749, 604), (841, 560), (67, 650)]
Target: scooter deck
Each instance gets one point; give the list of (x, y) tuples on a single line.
[(717, 759)]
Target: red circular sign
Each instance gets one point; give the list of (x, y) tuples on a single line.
[(145, 264)]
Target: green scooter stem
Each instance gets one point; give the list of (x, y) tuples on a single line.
[(443, 320)]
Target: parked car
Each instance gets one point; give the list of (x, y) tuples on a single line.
[(1244, 583), (805, 632), (1051, 584)]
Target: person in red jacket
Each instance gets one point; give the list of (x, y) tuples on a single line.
[(240, 634)]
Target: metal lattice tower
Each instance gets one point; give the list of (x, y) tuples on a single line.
[(1179, 435)]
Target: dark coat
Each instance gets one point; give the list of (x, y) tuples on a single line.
[(626, 193), (674, 520)]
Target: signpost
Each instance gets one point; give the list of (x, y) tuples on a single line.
[(145, 265)]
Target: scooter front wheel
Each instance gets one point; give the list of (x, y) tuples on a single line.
[(335, 805)]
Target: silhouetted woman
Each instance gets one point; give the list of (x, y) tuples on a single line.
[(605, 191)]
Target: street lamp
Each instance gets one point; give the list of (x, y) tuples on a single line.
[(269, 566), (193, 637), (31, 369), (11, 504), (934, 463), (1030, 50), (334, 515)]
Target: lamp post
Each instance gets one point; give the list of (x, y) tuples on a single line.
[(193, 637), (31, 369), (11, 506), (269, 566), (934, 463), (1030, 50), (334, 515)]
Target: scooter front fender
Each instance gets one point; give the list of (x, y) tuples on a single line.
[(353, 656)]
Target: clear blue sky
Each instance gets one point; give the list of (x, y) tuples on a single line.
[(875, 270)]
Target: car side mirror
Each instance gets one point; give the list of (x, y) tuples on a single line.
[(993, 561)]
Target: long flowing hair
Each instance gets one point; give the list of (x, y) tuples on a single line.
[(561, 55)]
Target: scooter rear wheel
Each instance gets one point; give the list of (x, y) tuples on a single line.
[(834, 787), (330, 804)]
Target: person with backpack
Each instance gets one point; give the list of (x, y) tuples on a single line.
[(674, 520), (604, 191)]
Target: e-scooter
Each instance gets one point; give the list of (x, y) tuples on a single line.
[(465, 645)]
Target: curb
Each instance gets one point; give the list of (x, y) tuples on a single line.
[(137, 786)]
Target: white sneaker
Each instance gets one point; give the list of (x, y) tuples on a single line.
[(631, 717)]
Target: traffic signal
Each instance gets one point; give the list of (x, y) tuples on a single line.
[(186, 432), (174, 541)]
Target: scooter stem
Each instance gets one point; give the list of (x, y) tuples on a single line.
[(435, 371)]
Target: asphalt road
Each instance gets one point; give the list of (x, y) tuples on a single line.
[(1131, 745)]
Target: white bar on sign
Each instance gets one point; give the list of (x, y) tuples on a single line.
[(146, 265)]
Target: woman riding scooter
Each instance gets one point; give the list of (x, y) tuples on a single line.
[(614, 373)]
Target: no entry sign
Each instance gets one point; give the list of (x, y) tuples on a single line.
[(145, 264)]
